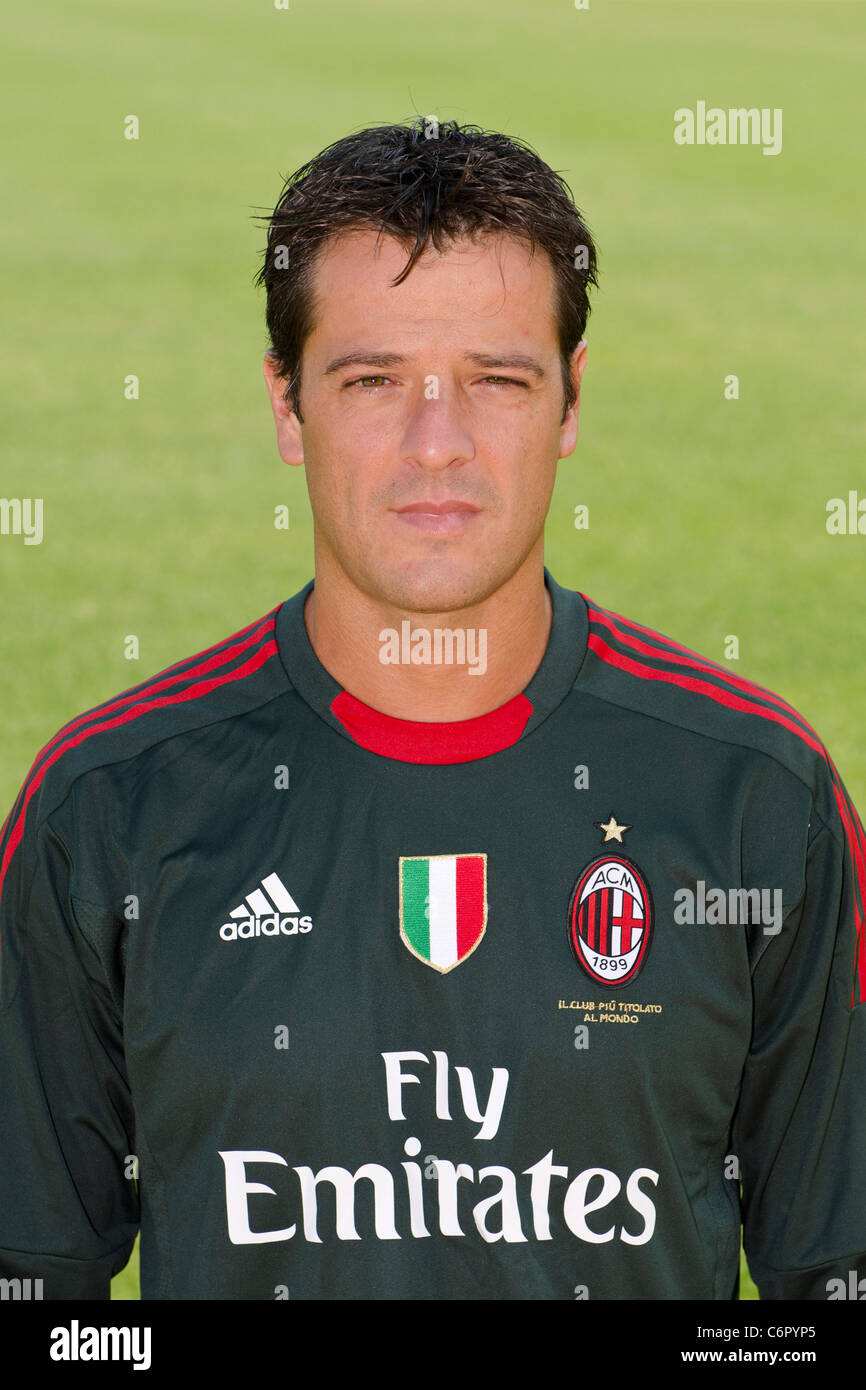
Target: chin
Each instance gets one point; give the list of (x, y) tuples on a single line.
[(439, 587)]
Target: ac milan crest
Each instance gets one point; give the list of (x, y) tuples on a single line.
[(610, 920)]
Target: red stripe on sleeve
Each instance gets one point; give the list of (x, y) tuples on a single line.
[(722, 697), (192, 692), (855, 837)]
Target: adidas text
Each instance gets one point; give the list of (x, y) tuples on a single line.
[(271, 925)]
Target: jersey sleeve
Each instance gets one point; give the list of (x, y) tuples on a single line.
[(800, 1127), (68, 1211)]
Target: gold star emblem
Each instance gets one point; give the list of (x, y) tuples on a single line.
[(612, 831)]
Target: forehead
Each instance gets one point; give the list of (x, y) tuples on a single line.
[(491, 282)]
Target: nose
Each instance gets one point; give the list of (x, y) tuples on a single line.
[(437, 432)]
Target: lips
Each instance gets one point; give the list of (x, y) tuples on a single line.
[(448, 518), (438, 508)]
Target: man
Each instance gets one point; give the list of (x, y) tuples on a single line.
[(441, 935)]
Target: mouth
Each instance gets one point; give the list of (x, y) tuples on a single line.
[(449, 518)]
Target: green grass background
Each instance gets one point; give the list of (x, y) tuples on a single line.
[(707, 516)]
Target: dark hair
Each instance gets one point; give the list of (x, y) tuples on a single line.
[(420, 182)]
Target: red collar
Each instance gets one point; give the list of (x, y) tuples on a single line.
[(413, 741)]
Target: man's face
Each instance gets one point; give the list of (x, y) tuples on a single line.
[(431, 457)]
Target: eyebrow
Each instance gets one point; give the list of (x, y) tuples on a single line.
[(516, 360)]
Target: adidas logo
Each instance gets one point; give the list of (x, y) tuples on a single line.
[(271, 913)]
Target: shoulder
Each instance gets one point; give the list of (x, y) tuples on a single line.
[(638, 668), (797, 797), (230, 678)]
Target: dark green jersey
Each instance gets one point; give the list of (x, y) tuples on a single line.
[(338, 1005)]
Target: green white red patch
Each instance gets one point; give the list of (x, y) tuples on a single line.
[(443, 906)]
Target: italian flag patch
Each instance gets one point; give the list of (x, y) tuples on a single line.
[(443, 906)]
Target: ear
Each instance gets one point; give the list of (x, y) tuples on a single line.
[(289, 440), (568, 428)]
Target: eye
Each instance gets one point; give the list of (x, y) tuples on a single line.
[(498, 380)]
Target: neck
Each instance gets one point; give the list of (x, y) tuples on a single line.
[(502, 640)]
